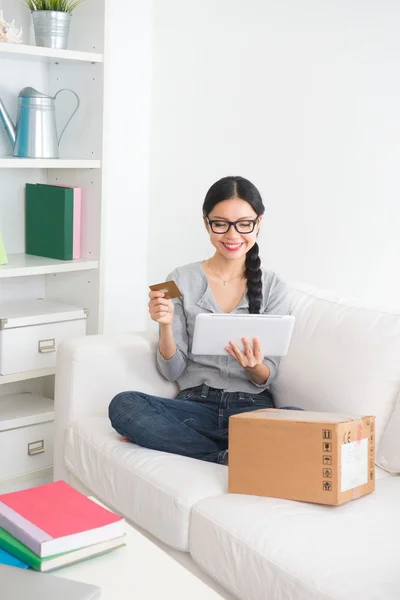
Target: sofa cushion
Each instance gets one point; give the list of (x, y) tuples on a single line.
[(262, 548), (389, 450), (343, 358), (155, 490)]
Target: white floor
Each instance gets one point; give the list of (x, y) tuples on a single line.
[(26, 481)]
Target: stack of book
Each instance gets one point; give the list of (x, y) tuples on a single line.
[(54, 525), (53, 221)]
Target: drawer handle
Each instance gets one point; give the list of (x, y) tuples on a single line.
[(36, 448), (46, 346)]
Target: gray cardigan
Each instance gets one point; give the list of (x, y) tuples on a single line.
[(221, 372)]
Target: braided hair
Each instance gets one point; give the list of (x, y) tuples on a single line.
[(239, 187)]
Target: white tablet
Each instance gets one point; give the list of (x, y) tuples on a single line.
[(212, 332)]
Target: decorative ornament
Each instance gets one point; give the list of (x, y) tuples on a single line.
[(8, 31)]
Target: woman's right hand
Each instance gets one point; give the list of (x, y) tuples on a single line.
[(161, 310)]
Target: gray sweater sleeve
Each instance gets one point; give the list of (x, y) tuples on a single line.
[(278, 303), (173, 368)]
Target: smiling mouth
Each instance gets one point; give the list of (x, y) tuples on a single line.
[(232, 247)]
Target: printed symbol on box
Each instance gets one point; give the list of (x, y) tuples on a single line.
[(327, 447), (371, 464), (327, 460), (371, 437), (327, 473), (327, 486), (327, 434), (371, 475)]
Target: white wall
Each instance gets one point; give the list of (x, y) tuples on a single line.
[(127, 104), (302, 98)]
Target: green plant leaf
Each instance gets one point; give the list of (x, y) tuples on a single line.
[(57, 5)]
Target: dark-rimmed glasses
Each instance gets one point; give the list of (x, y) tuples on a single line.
[(241, 226)]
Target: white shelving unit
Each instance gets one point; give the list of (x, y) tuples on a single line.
[(26, 376), (80, 68), (29, 52), (24, 265), (17, 412), (10, 162)]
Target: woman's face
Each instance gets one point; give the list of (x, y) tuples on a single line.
[(232, 244)]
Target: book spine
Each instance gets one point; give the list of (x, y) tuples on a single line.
[(21, 553), (22, 529), (77, 223), (69, 224)]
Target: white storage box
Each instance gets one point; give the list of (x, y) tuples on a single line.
[(31, 331), (26, 434)]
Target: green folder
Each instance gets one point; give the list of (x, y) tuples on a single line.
[(49, 215)]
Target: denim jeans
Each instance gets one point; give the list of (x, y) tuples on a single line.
[(194, 424)]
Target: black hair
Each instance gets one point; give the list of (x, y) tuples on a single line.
[(239, 187)]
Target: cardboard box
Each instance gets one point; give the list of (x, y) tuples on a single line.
[(317, 457)]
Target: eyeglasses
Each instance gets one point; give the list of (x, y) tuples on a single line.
[(242, 226)]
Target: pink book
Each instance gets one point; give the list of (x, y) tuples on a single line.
[(54, 518), (76, 232)]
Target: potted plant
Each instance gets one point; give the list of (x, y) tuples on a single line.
[(51, 21)]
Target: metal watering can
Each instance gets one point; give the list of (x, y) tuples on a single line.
[(35, 134)]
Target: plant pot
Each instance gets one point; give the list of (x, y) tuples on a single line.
[(51, 28)]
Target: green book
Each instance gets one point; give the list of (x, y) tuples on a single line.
[(49, 218), (17, 549)]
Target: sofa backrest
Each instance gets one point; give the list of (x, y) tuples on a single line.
[(344, 358)]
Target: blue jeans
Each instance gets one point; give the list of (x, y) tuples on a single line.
[(194, 424)]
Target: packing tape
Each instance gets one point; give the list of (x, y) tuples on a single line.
[(358, 427), (359, 430)]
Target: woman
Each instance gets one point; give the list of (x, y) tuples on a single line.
[(213, 388)]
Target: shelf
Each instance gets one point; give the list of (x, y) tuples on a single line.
[(20, 410), (25, 52), (22, 265), (10, 162), (25, 375)]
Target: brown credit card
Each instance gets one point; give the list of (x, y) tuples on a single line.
[(170, 289)]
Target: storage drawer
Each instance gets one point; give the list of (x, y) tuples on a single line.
[(26, 449), (31, 331), (30, 348)]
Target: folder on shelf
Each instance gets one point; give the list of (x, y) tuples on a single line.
[(77, 219), (76, 237), (49, 218), (76, 234)]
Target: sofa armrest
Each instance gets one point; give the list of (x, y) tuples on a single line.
[(91, 370)]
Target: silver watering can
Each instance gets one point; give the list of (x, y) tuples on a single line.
[(35, 134)]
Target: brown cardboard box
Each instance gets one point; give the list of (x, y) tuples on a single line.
[(317, 457)]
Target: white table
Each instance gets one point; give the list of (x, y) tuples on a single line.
[(139, 571)]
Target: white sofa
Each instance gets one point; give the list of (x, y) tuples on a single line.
[(343, 358)]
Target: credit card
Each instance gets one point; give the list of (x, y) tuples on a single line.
[(170, 289)]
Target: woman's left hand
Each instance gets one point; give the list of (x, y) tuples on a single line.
[(251, 357)]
